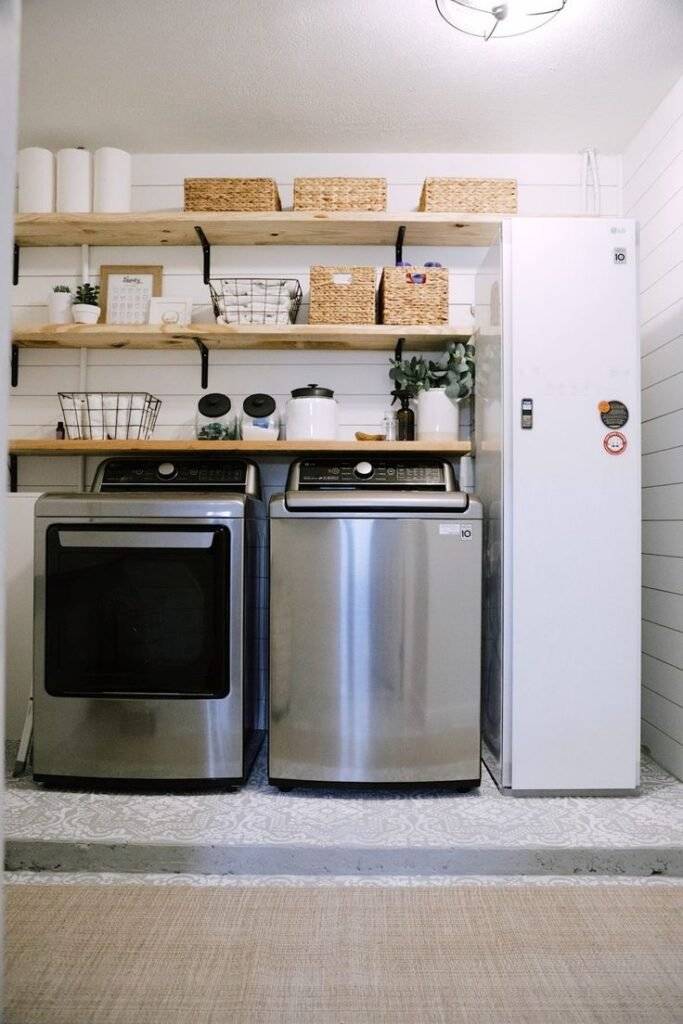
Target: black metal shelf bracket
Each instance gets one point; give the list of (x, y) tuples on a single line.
[(14, 365), (204, 353), (15, 264), (399, 243), (398, 351), (206, 249), (13, 474)]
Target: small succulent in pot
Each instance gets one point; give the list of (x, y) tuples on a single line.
[(86, 308), (59, 305)]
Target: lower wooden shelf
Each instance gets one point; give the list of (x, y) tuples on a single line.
[(45, 446)]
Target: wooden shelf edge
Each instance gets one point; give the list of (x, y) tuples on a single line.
[(47, 447), (358, 337), (285, 227)]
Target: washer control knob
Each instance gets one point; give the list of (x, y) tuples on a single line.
[(363, 470), (166, 469)]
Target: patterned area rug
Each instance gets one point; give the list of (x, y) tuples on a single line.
[(172, 955)]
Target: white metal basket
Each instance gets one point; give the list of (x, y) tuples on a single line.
[(109, 415)]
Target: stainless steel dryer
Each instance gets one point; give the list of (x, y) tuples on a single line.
[(375, 625), (149, 619)]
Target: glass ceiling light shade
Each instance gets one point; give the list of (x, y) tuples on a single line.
[(496, 20)]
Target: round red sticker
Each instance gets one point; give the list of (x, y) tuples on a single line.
[(615, 442)]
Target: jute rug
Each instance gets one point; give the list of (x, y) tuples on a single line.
[(168, 955)]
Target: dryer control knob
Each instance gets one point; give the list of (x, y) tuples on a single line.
[(166, 469), (363, 470)]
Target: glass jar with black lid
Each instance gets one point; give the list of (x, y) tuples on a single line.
[(259, 420), (215, 420)]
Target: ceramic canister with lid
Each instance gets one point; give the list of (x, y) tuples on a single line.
[(215, 419), (259, 420), (312, 414)]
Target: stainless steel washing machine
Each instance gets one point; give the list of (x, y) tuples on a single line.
[(375, 625), (150, 622)]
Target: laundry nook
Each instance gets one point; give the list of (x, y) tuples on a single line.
[(343, 522)]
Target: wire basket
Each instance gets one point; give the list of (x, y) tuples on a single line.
[(256, 300), (109, 415)]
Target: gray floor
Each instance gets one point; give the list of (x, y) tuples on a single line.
[(261, 834)]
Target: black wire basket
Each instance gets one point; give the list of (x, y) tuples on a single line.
[(109, 415), (256, 300)]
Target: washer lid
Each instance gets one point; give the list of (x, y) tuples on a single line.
[(313, 391), (259, 405)]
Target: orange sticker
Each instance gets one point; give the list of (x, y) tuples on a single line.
[(603, 406)]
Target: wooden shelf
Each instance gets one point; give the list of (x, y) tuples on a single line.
[(379, 337), (45, 446), (288, 227)]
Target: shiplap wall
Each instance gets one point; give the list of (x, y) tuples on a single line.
[(548, 184), (653, 193)]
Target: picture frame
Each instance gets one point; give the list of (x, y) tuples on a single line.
[(126, 290), (170, 312)]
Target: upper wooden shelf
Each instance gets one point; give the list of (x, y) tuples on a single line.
[(379, 337), (45, 446), (288, 227)]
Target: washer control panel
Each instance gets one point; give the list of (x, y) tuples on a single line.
[(374, 472), (167, 473)]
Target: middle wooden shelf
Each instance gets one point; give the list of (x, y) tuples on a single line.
[(358, 337)]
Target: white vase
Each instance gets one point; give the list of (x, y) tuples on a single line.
[(59, 308), (86, 314), (437, 416)]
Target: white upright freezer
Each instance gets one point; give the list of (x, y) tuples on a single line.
[(557, 444)]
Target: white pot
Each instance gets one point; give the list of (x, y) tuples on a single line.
[(59, 308), (437, 416), (86, 314), (311, 415)]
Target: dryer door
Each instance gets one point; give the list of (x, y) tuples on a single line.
[(137, 611)]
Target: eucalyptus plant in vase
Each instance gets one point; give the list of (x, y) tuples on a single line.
[(438, 385)]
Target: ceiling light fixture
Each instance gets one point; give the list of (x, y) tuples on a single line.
[(498, 20)]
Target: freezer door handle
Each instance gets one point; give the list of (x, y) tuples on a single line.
[(376, 501)]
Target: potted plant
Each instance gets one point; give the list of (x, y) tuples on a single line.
[(86, 308), (59, 305), (439, 386)]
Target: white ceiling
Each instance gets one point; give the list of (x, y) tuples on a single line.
[(339, 75)]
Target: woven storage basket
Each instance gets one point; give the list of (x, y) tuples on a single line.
[(340, 194), (342, 295), (231, 195), (470, 195), (403, 301)]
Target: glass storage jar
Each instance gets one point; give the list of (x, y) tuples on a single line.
[(215, 420), (259, 420)]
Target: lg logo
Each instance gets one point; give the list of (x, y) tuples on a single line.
[(620, 255), (466, 533)]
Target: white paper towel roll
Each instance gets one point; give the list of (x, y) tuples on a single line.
[(74, 187), (36, 173), (112, 181)]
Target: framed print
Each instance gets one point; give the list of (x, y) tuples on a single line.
[(125, 292), (168, 312)]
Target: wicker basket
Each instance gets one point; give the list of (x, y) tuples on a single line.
[(342, 295), (232, 195), (469, 195), (326, 194), (414, 295)]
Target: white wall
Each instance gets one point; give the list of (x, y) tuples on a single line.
[(547, 185), (653, 193)]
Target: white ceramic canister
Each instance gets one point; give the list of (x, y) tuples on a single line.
[(437, 416), (59, 308), (312, 414)]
